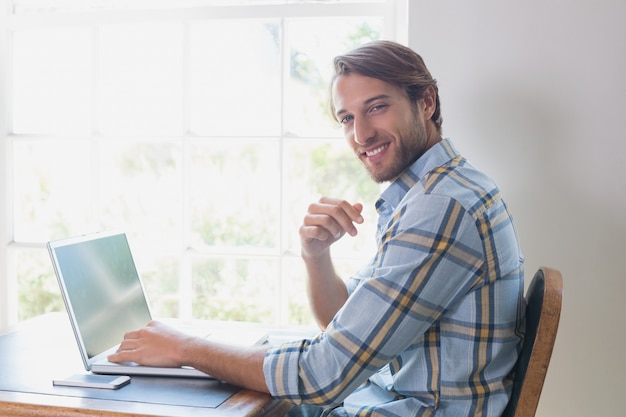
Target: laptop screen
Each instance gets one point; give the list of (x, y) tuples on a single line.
[(101, 289)]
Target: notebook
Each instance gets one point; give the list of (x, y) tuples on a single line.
[(105, 298)]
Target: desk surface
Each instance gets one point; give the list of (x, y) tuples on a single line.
[(44, 347)]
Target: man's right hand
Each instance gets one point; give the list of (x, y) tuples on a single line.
[(326, 222)]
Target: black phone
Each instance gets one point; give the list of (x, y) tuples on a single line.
[(93, 381)]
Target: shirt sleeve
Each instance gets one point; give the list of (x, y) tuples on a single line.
[(427, 259)]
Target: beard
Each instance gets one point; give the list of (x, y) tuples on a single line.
[(410, 145)]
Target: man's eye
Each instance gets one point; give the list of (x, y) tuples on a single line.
[(378, 107), (346, 119)]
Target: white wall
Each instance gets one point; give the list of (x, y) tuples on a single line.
[(534, 93)]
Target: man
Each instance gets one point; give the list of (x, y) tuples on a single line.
[(432, 325)]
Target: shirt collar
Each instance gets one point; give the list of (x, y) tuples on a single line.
[(439, 154)]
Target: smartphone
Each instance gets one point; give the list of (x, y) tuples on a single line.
[(93, 381)]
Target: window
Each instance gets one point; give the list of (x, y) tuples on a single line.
[(199, 127)]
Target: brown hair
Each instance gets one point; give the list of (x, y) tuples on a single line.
[(393, 63)]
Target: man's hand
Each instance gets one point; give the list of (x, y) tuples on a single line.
[(326, 222), (154, 345), (160, 345)]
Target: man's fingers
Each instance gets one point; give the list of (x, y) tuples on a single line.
[(353, 211), (359, 208), (121, 356), (326, 221), (128, 344), (326, 225), (337, 216), (314, 233)]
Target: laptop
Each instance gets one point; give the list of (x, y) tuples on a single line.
[(105, 299)]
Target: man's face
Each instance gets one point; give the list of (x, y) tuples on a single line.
[(384, 129)]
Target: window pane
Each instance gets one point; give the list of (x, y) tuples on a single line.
[(52, 189), (52, 81), (141, 191), (311, 53), (140, 79), (235, 78), (328, 168), (294, 284), (241, 289), (159, 274), (37, 288), (234, 194)]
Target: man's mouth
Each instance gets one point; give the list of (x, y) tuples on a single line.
[(376, 151)]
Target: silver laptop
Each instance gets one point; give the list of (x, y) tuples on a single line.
[(104, 298)]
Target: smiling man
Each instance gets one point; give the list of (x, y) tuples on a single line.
[(386, 129), (432, 325)]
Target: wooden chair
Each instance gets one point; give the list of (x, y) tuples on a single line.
[(543, 311)]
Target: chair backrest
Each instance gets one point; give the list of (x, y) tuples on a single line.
[(543, 311)]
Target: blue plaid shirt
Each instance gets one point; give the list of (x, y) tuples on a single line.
[(433, 323)]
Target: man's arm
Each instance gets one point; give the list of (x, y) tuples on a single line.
[(325, 223), (326, 290), (160, 345)]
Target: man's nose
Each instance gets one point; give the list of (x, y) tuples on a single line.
[(363, 131)]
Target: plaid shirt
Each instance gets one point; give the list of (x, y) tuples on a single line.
[(433, 323)]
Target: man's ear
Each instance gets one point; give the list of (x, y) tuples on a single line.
[(429, 102)]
